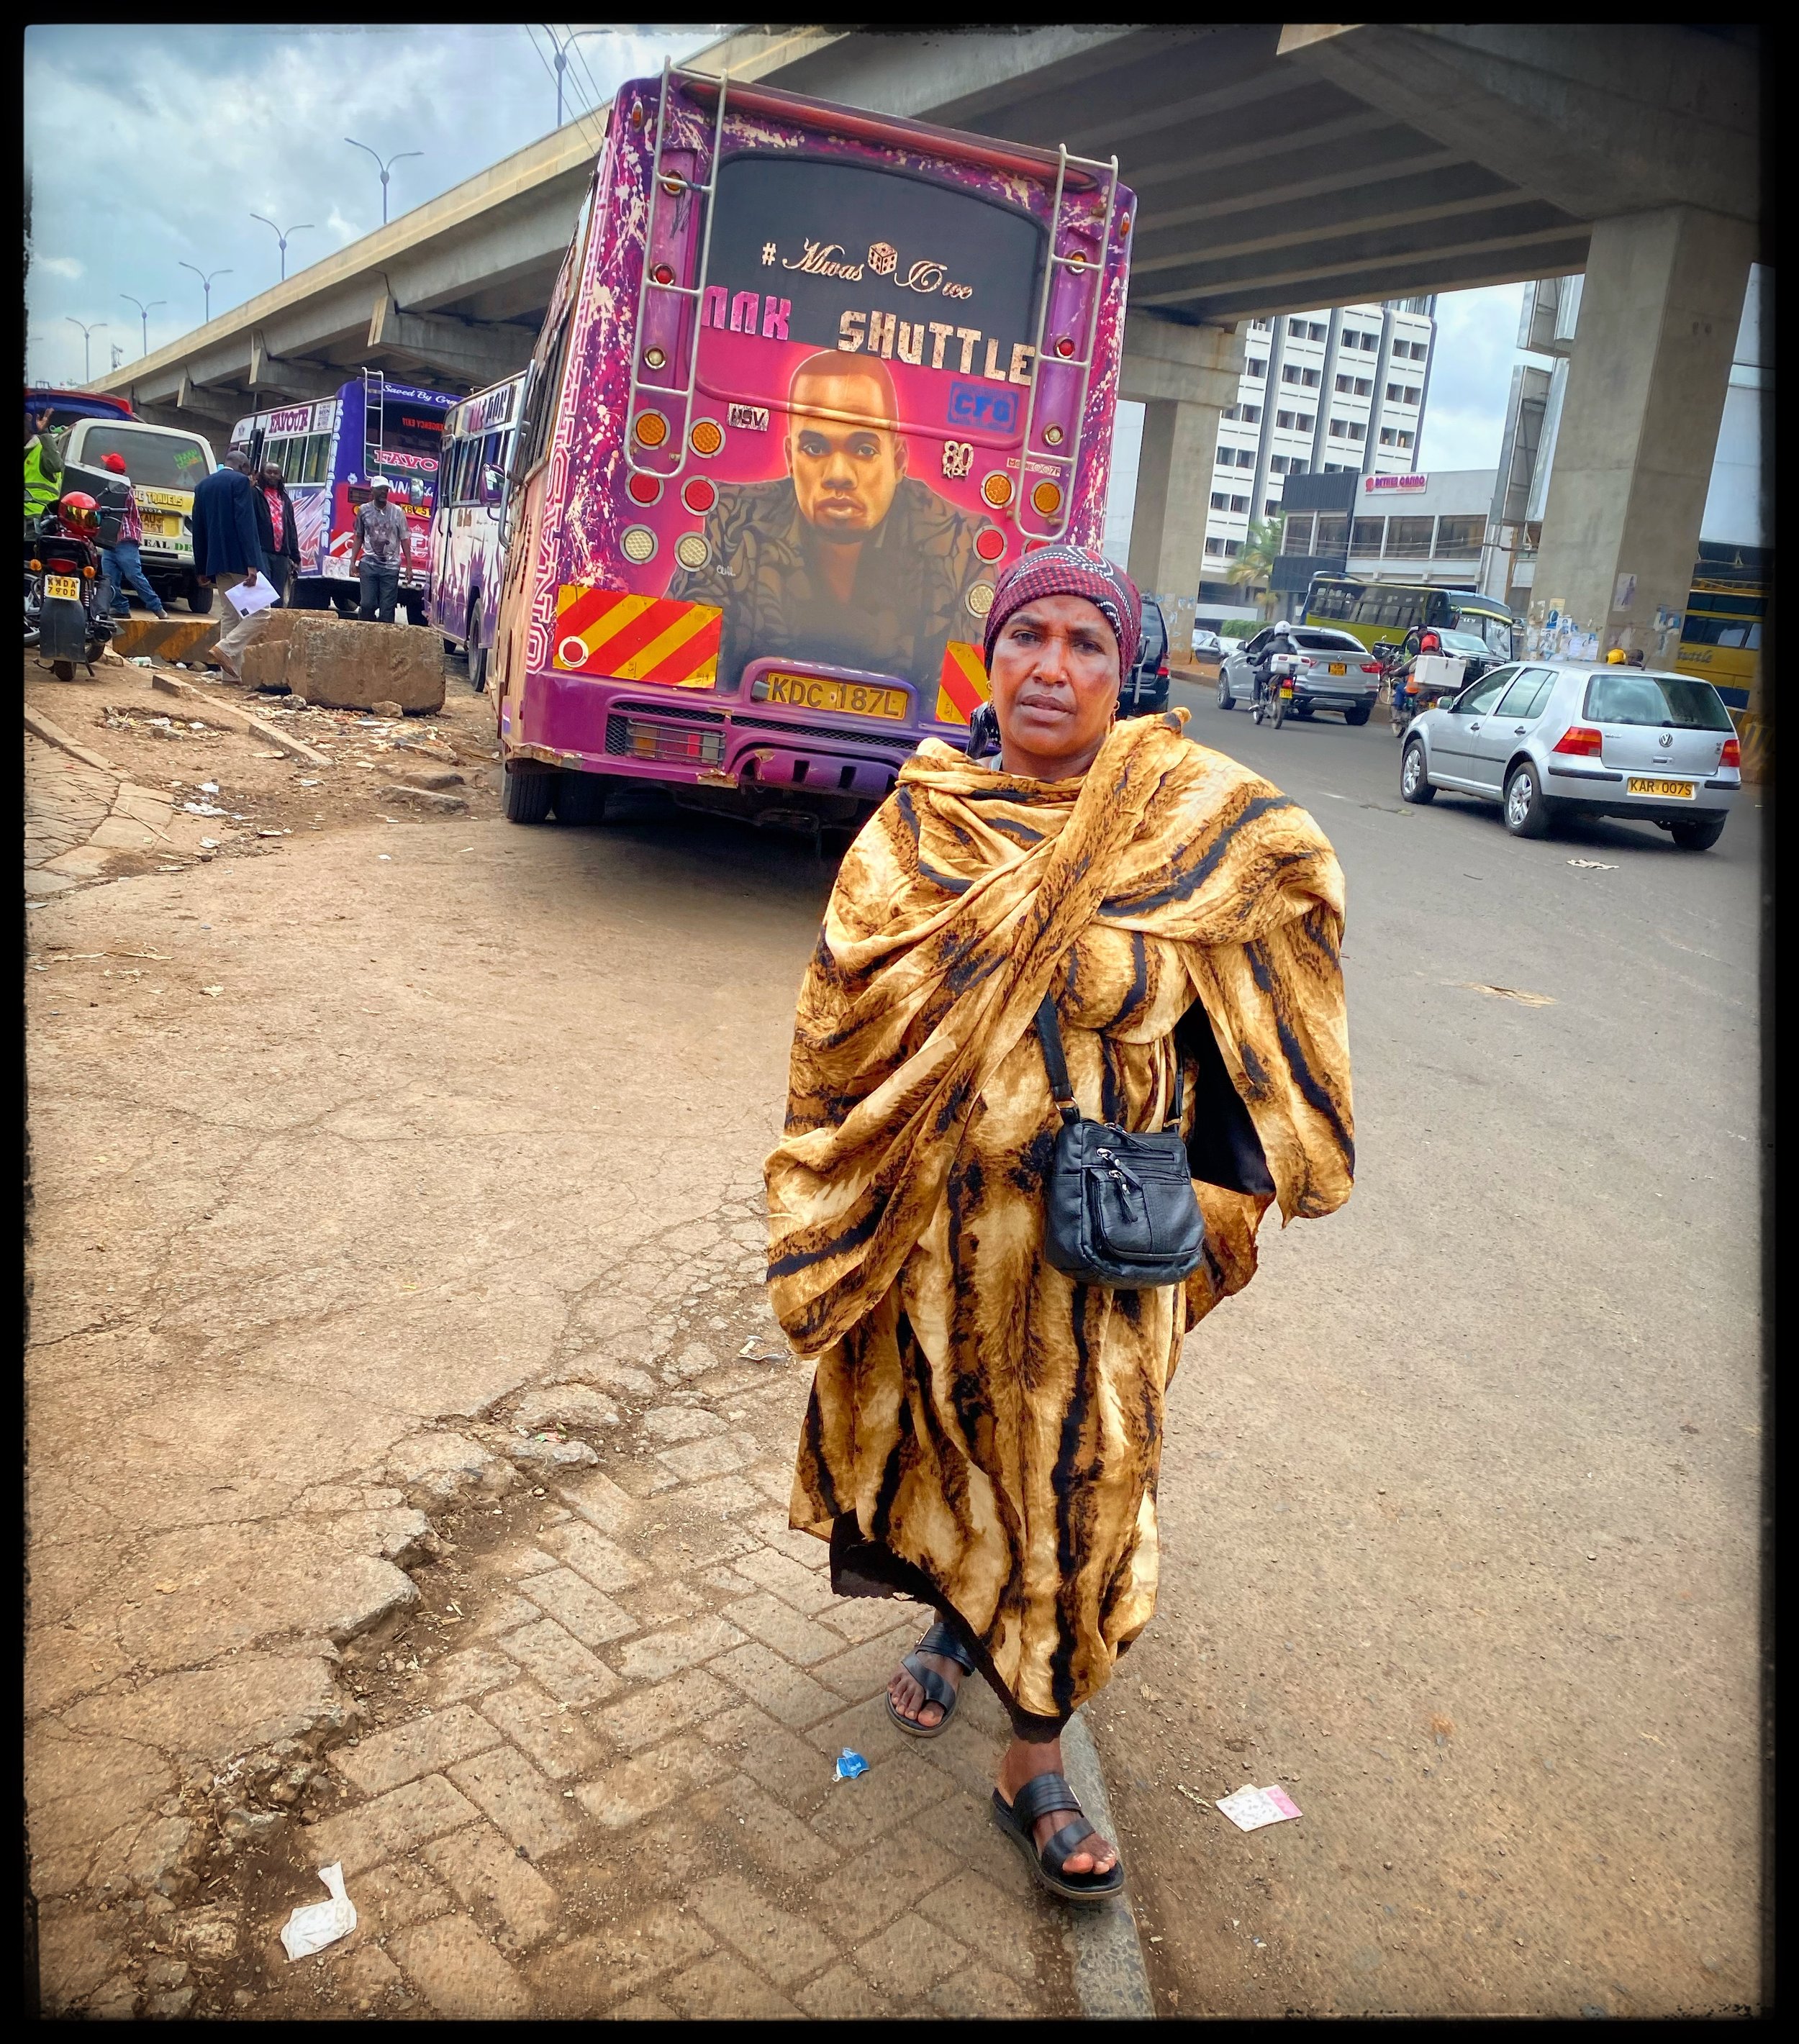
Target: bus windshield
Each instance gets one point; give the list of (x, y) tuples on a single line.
[(160, 461)]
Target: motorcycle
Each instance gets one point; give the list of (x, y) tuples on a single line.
[(1274, 698), (64, 560), (1412, 694)]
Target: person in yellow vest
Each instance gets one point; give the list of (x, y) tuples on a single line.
[(43, 467)]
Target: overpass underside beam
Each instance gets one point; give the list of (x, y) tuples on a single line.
[(1659, 313), (465, 352), (273, 377)]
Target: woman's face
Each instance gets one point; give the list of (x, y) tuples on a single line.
[(1055, 677)]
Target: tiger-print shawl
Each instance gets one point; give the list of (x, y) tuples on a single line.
[(951, 915)]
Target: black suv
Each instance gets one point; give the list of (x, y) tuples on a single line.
[(1144, 692)]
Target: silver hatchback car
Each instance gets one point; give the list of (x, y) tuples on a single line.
[(1555, 738)]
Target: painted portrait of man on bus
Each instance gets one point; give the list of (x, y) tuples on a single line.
[(846, 560)]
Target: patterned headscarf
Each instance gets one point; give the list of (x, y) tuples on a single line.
[(1064, 570)]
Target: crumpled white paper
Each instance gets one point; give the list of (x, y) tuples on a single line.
[(320, 1923), (1250, 1808)]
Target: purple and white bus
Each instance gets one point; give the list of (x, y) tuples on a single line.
[(329, 453), (466, 558), (810, 379)]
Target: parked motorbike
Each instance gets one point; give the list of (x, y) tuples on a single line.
[(64, 560), (1274, 698)]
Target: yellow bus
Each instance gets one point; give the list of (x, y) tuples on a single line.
[(1720, 640), (1377, 611)]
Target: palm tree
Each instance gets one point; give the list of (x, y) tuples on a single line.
[(1255, 563)]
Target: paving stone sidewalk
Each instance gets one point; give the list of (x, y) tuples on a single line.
[(613, 1791), (76, 816)]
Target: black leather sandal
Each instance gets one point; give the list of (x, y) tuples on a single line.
[(941, 1641), (1041, 1794)]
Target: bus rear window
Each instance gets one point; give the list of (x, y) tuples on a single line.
[(160, 461), (414, 432)]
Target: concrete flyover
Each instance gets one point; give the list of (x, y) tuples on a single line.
[(1277, 167)]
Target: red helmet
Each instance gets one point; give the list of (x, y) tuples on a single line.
[(79, 514), (114, 461)]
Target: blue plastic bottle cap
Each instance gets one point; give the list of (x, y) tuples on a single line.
[(850, 1764)]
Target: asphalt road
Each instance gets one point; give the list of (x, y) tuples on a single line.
[(1460, 1499)]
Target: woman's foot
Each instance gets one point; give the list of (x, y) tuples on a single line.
[(908, 1698), (1019, 1763)]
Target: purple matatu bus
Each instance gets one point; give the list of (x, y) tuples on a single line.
[(329, 452), (809, 380), (464, 604)]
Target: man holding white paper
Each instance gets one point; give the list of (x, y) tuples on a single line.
[(227, 554)]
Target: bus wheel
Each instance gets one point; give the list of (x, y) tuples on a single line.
[(414, 609), (526, 794), (477, 667), (580, 798)]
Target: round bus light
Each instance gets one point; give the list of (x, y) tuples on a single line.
[(1053, 436), (707, 436), (1046, 499), (638, 543), (644, 489), (691, 551), (989, 544), (699, 496), (1065, 347), (997, 490), (662, 274), (652, 429), (1123, 225), (572, 652), (980, 599), (654, 357), (673, 186)]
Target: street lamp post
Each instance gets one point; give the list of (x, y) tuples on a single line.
[(562, 50), (145, 312), (88, 334), (301, 227), (383, 167), (206, 282)]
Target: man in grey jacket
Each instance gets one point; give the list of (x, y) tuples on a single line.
[(379, 551)]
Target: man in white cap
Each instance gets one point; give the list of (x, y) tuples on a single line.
[(378, 551)]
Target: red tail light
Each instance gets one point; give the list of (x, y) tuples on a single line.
[(1370, 666), (1732, 754), (1162, 675), (1580, 740)]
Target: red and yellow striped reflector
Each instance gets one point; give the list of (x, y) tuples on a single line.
[(963, 685), (631, 638)]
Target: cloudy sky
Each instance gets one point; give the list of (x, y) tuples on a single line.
[(151, 147), (190, 130)]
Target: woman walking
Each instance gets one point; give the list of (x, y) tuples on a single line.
[(985, 1426)]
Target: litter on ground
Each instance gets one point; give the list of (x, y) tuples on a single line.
[(1250, 1808), (850, 1764), (310, 1929)]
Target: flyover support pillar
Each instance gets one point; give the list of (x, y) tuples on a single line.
[(1651, 366), (1184, 377)]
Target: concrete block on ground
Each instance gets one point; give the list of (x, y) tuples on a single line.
[(349, 663)]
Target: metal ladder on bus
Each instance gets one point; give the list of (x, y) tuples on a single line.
[(662, 275), (1076, 265), (374, 402)]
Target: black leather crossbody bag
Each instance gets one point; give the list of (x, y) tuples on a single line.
[(1119, 1209)]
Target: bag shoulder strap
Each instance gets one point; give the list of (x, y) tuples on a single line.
[(1055, 1064)]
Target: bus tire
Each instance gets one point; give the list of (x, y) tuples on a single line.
[(526, 795), (1359, 715), (477, 667), (414, 609), (580, 799)]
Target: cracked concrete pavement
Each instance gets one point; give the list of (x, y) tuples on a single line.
[(394, 1253)]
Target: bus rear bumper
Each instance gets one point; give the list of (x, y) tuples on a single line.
[(683, 738)]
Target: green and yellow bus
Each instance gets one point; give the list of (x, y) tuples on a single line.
[(1720, 639), (1377, 611)]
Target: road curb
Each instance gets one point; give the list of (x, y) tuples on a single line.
[(1110, 1977)]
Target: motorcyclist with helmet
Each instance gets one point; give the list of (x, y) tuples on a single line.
[(1278, 642)]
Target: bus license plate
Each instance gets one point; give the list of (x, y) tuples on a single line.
[(1680, 790), (65, 586), (856, 698)]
